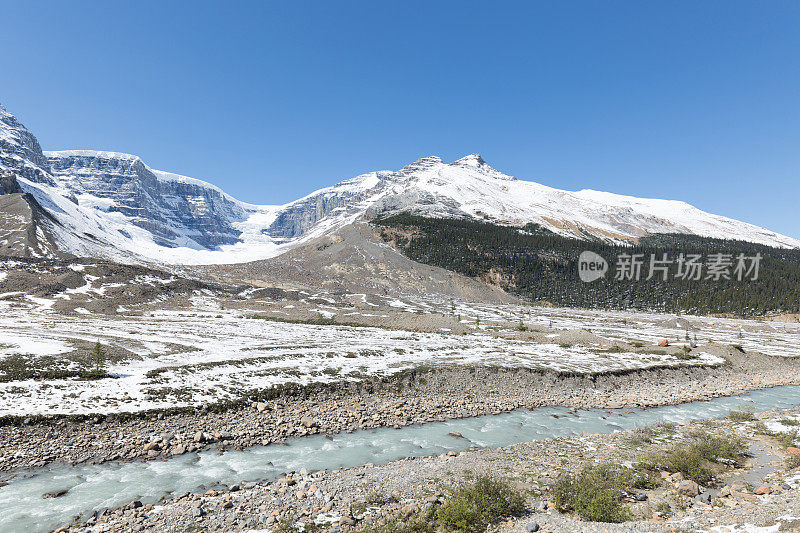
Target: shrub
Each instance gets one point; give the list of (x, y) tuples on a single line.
[(642, 435), (761, 429), (788, 438), (420, 522), (714, 447), (743, 415), (664, 509), (473, 508), (693, 458), (666, 427), (648, 434), (596, 494), (691, 464)]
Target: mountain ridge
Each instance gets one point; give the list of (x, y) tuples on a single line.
[(113, 205)]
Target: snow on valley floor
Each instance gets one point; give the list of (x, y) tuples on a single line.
[(206, 354), (771, 338)]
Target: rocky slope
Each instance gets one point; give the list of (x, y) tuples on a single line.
[(354, 259), (113, 205), (26, 229)]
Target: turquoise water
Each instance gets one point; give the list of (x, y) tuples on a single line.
[(91, 487)]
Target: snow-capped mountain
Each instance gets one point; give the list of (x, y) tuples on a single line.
[(172, 208), (113, 205)]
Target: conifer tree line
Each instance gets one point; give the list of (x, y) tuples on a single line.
[(540, 265)]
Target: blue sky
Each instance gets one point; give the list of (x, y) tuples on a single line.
[(698, 101)]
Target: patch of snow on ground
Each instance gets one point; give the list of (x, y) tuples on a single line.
[(21, 343)]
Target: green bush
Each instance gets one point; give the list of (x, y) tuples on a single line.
[(420, 522), (788, 438), (744, 415), (691, 464), (694, 458), (713, 447), (642, 435), (473, 508), (664, 508), (596, 494)]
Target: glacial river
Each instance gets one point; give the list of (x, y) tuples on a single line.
[(91, 487)]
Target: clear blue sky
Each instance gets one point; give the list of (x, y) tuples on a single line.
[(698, 101)]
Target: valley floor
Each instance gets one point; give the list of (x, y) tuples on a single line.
[(204, 348)]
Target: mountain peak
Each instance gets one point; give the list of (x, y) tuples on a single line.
[(426, 161), (471, 160), (421, 164), (476, 162)]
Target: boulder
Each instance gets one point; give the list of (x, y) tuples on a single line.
[(687, 486), (179, 450), (704, 498), (677, 477), (55, 493)]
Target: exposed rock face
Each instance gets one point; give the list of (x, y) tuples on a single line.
[(8, 183), (19, 150), (302, 215), (171, 207)]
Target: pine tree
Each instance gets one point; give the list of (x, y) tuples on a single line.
[(98, 357)]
